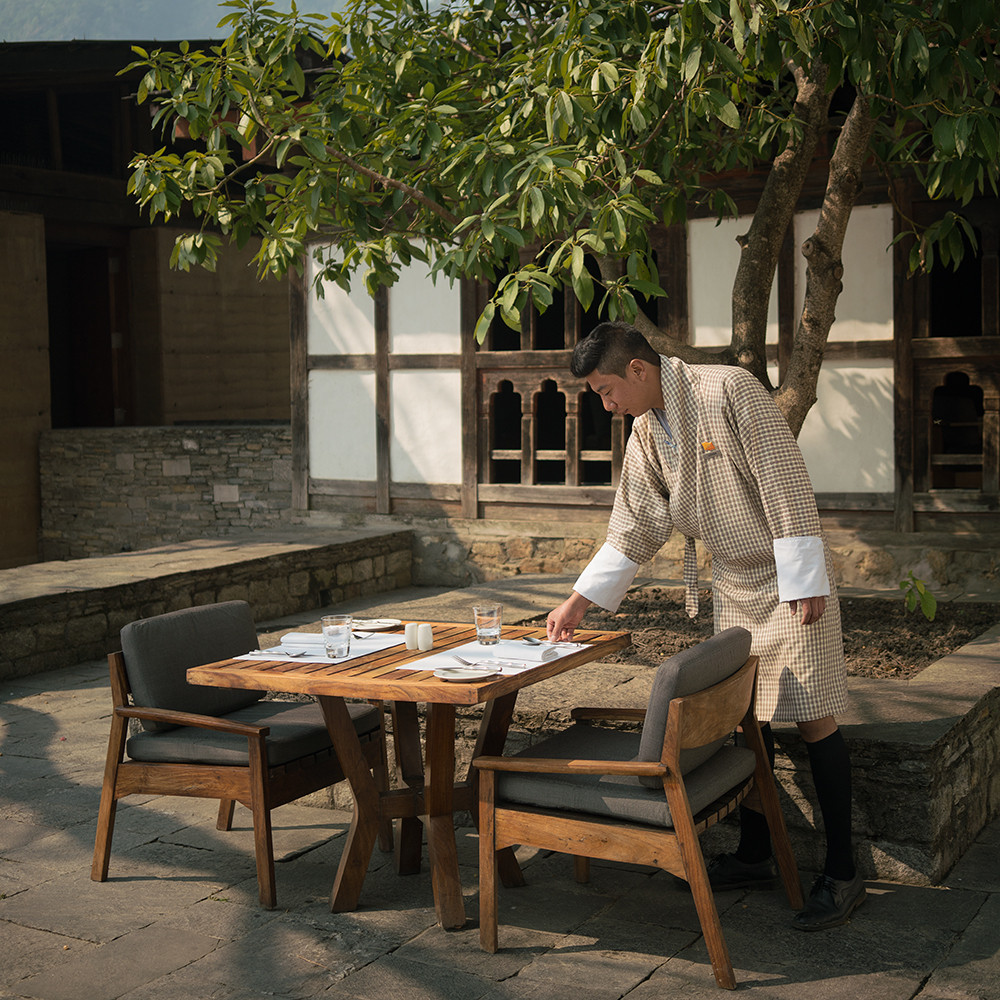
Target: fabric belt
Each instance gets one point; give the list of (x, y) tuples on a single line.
[(690, 577)]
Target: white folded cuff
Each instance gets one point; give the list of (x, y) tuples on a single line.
[(606, 578), (801, 564)]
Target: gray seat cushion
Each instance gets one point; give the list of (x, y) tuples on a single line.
[(297, 729), (621, 797), (690, 670), (159, 650)]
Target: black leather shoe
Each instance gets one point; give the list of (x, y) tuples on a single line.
[(726, 871), (831, 902)]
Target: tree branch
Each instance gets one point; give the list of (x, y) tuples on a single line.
[(389, 182), (761, 245), (662, 343), (824, 268)]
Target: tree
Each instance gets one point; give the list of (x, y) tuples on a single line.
[(508, 140)]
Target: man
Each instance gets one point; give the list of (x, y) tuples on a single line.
[(711, 456)]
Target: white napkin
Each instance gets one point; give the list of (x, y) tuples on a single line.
[(510, 656), (309, 648)]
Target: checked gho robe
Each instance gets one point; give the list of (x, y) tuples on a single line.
[(719, 463)]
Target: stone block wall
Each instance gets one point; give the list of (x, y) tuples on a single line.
[(58, 628), (108, 490)]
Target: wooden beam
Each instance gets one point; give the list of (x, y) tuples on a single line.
[(903, 317), (469, 313), (383, 403), (298, 290)]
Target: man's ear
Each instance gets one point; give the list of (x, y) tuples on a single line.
[(638, 367)]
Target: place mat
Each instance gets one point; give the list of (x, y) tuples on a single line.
[(311, 643), (509, 656)]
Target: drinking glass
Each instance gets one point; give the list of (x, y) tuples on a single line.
[(337, 635), (488, 618)]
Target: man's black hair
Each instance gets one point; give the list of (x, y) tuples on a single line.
[(608, 348)]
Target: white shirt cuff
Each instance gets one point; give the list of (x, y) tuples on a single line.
[(606, 578), (801, 563)]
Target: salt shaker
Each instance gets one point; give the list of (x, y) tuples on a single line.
[(410, 633), (425, 637)]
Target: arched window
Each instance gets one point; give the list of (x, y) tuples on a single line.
[(957, 434)]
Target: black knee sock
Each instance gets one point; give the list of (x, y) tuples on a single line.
[(831, 770), (755, 838)]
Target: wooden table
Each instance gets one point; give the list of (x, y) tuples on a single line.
[(429, 794)]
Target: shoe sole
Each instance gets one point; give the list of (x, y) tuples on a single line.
[(862, 896)]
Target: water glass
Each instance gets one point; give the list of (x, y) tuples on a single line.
[(337, 635), (488, 619)]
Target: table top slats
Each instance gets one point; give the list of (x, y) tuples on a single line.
[(379, 676)]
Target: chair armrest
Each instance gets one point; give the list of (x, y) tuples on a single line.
[(608, 714), (548, 765), (173, 718)]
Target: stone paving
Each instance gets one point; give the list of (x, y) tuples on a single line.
[(178, 917)]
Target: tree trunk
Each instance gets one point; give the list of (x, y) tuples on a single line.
[(761, 246), (824, 267)]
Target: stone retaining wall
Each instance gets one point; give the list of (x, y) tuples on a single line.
[(926, 767), (59, 628), (107, 490)]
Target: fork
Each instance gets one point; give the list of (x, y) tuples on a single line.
[(464, 662)]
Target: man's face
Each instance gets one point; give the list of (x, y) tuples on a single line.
[(632, 395)]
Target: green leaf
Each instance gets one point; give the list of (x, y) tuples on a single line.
[(928, 605), (691, 63), (484, 322), (537, 205), (728, 115), (583, 289)]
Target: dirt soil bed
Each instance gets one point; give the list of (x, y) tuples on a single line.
[(881, 639)]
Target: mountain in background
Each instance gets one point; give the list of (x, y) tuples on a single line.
[(164, 20)]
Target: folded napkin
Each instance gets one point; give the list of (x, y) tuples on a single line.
[(307, 647), (510, 656)]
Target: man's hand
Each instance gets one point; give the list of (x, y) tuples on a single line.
[(812, 609), (561, 623)]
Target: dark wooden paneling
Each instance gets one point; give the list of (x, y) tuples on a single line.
[(960, 348), (548, 495)]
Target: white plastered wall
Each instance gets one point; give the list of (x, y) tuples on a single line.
[(847, 437), (425, 443)]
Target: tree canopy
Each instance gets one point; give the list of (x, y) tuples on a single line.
[(510, 140)]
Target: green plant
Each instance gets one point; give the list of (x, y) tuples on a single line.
[(915, 592)]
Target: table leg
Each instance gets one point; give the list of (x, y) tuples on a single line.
[(365, 822), (410, 768), (497, 717), (439, 788)]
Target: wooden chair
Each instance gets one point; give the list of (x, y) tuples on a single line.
[(642, 798), (215, 743)]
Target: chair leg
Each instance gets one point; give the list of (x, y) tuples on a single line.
[(226, 809), (380, 772), (260, 807), (581, 869), (408, 844), (488, 934), (768, 792), (109, 803), (701, 890), (783, 854)]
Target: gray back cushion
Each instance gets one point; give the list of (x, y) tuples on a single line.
[(686, 672), (159, 650)]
